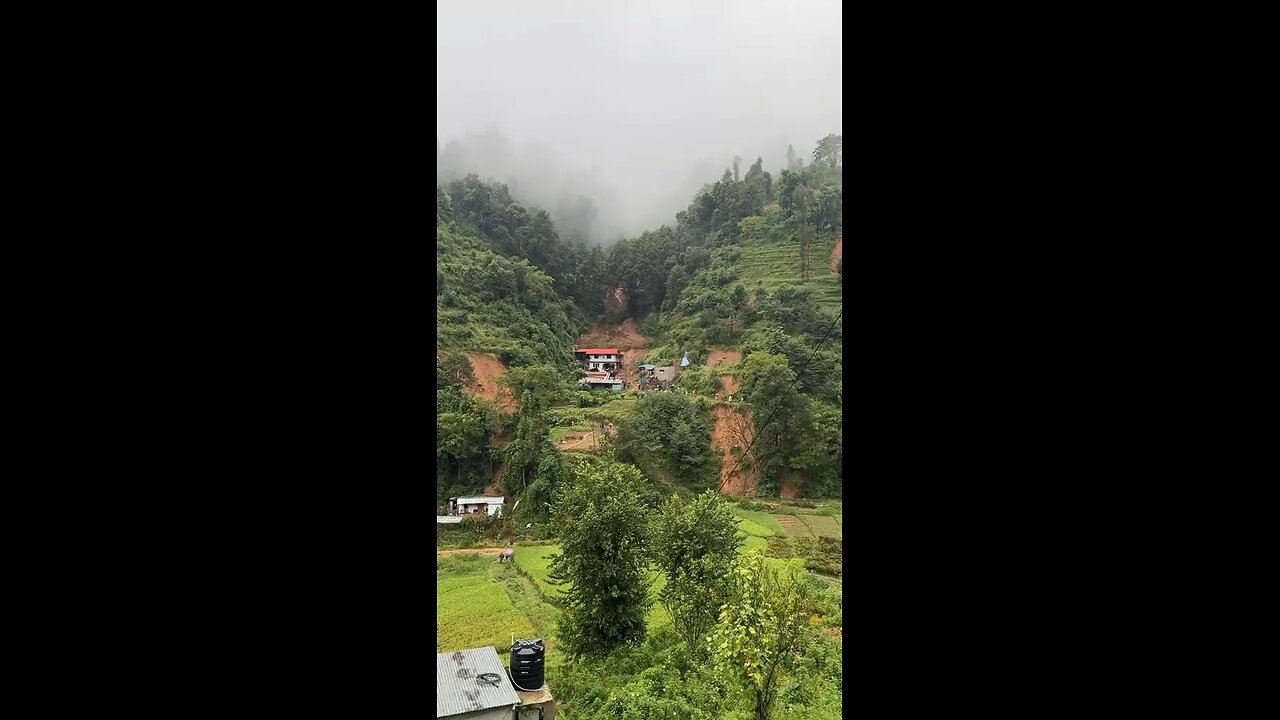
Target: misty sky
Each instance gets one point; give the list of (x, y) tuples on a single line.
[(635, 103)]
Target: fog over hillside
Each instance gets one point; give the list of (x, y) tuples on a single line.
[(610, 115)]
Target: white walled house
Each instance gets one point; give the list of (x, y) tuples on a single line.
[(609, 359), (483, 503)]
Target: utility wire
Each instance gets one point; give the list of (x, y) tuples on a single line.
[(777, 405)]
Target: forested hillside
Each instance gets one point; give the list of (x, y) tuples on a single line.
[(745, 276)]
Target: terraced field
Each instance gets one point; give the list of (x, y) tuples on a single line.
[(760, 524), (769, 265), (794, 526), (824, 525)]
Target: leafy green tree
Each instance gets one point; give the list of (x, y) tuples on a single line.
[(829, 152), (762, 629), (603, 557), (527, 443), (694, 545), (454, 370), (779, 414), (672, 431)]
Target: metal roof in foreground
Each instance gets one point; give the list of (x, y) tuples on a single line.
[(458, 691)]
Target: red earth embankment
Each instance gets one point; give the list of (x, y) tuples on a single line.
[(733, 428), (487, 370)]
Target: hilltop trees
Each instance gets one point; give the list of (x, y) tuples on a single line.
[(829, 153)]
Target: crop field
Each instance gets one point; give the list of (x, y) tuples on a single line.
[(471, 609), (760, 524), (536, 561), (794, 526), (480, 601), (769, 265), (824, 525)]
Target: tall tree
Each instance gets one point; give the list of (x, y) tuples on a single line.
[(762, 628), (736, 160), (603, 556), (829, 152), (800, 202), (694, 546)]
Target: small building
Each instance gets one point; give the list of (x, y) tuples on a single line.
[(601, 380), (607, 359), (665, 374), (482, 503), (472, 685)]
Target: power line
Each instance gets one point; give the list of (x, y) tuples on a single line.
[(779, 403)]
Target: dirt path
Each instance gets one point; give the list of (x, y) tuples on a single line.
[(837, 253), (578, 441), (488, 369), (469, 551)]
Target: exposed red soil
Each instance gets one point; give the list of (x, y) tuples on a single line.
[(730, 384), (722, 356), (836, 253), (494, 488), (733, 427), (578, 441), (615, 299), (786, 485), (488, 369)]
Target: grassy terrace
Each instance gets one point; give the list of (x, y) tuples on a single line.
[(770, 265)]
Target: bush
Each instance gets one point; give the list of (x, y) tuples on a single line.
[(780, 548), (827, 557)]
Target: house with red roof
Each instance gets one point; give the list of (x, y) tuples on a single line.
[(607, 359)]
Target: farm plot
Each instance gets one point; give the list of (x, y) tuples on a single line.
[(536, 560), (471, 609), (794, 526), (824, 525), (760, 521)]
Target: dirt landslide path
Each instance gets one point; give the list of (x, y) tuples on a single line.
[(722, 356), (837, 253), (733, 427), (786, 485), (488, 369)]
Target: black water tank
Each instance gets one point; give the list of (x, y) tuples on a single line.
[(528, 658)]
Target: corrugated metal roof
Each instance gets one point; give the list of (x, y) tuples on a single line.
[(457, 690), (482, 500), (599, 351)]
